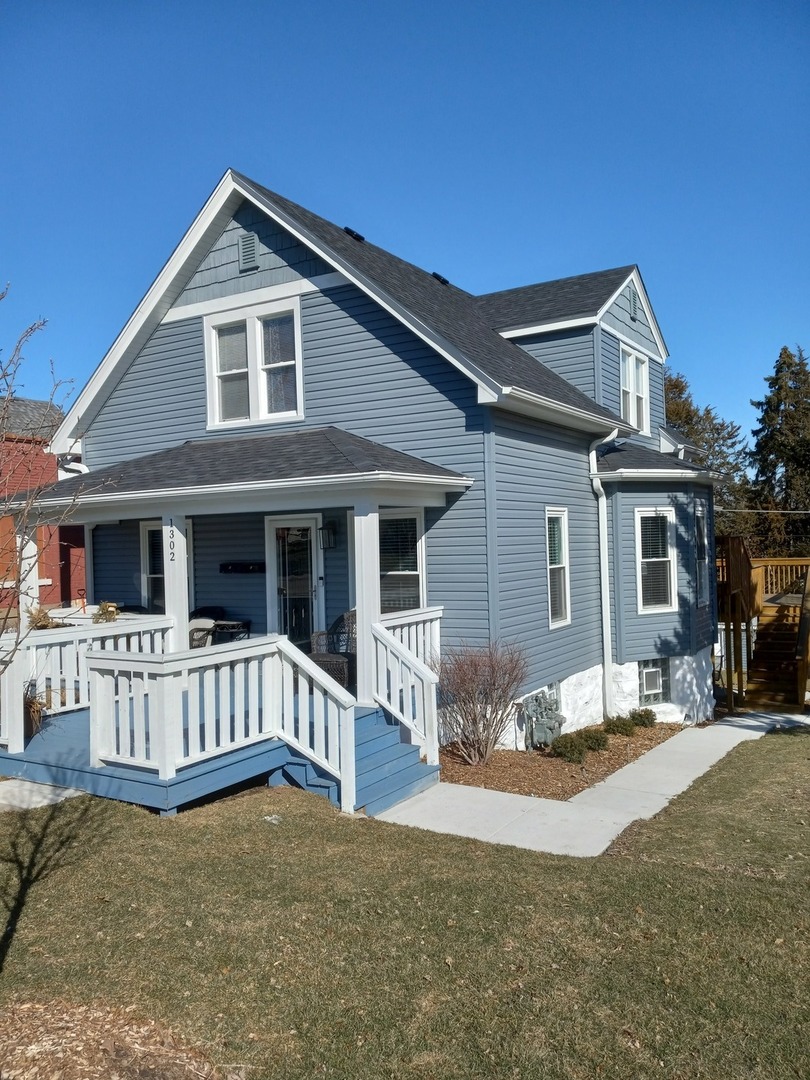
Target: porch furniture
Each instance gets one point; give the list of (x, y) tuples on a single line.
[(231, 630), (210, 612), (335, 650), (200, 633)]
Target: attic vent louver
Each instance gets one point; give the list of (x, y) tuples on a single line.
[(440, 279), (354, 235), (248, 252), (633, 304)]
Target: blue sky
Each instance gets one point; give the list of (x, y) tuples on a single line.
[(498, 144)]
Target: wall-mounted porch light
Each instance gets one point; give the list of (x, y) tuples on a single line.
[(327, 536)]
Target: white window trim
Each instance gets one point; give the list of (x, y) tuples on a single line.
[(157, 523), (669, 513), (562, 513), (252, 316), (702, 599), (421, 561), (634, 356)]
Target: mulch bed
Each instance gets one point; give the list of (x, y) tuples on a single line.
[(58, 1041), (536, 772)]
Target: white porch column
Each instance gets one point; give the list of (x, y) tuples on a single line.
[(175, 580), (367, 592), (28, 563)]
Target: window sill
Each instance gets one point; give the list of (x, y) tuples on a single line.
[(264, 421)]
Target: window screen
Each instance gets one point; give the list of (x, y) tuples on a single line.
[(656, 583), (399, 564)]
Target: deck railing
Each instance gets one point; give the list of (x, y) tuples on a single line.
[(406, 687), (167, 712), (418, 630), (803, 647), (782, 575), (51, 665)]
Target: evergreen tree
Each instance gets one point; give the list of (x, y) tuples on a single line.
[(781, 457), (722, 447)]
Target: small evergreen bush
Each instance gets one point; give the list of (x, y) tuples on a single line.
[(619, 725), (643, 717), (595, 738), (570, 748)]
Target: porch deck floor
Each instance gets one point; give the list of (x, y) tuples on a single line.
[(59, 753)]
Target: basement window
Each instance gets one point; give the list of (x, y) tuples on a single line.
[(653, 681)]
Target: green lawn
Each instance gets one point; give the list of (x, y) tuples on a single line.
[(327, 946)]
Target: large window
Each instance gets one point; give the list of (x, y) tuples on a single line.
[(254, 364), (401, 574), (635, 390), (559, 605), (655, 560)]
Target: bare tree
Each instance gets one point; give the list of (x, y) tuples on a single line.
[(477, 690)]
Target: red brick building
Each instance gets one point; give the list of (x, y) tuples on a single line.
[(25, 430)]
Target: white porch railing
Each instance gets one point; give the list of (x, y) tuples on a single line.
[(51, 665), (165, 712), (418, 630), (406, 687)]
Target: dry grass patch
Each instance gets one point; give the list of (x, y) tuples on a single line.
[(313, 944)]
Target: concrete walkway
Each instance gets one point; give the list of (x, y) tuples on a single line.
[(588, 823), (26, 795)]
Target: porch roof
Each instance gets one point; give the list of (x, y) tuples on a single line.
[(316, 460), (629, 461)]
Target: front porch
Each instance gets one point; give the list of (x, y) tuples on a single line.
[(126, 719)]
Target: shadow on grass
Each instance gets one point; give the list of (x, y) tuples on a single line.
[(39, 843), (790, 729)]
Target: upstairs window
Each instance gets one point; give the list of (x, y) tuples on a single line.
[(655, 560), (635, 390), (559, 603), (254, 365)]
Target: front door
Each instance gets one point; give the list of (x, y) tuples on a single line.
[(294, 579)]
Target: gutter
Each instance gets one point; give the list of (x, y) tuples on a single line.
[(604, 580)]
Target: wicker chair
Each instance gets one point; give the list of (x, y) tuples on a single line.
[(200, 633), (335, 649)]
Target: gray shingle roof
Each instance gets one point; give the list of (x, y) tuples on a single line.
[(299, 455), (577, 297), (447, 311), (624, 455), (26, 416)]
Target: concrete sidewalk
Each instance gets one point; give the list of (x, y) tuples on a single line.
[(588, 823), (26, 795)]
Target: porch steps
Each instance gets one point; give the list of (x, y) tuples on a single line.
[(772, 674), (387, 769), (301, 773)]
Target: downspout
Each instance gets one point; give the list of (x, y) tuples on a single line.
[(604, 579)]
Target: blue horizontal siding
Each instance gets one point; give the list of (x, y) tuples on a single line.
[(639, 330), (679, 633), (538, 468), (569, 354)]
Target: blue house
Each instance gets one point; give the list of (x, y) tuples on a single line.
[(303, 430)]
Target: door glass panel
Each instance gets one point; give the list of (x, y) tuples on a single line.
[(294, 575), (155, 592)]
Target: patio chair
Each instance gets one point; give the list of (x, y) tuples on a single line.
[(200, 633), (335, 650)]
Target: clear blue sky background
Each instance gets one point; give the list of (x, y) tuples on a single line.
[(499, 144)]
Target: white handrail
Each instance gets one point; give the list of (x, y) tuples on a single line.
[(419, 630), (406, 687), (166, 712), (55, 663)]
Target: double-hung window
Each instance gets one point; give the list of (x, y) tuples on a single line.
[(254, 364), (559, 599), (635, 390), (655, 560), (702, 553), (402, 580)]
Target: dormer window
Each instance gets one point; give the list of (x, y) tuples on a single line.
[(635, 390), (254, 364)]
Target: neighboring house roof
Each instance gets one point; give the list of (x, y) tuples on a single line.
[(288, 459), (448, 318), (578, 297), (29, 417), (638, 462)]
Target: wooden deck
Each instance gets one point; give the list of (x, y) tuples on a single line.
[(60, 754)]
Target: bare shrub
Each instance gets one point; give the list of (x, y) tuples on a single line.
[(477, 690)]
